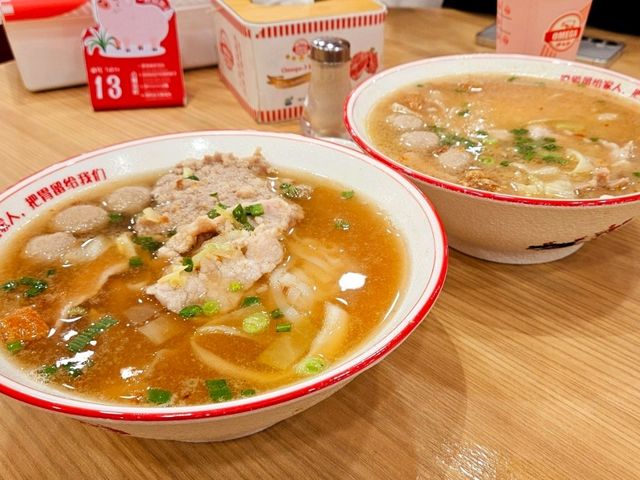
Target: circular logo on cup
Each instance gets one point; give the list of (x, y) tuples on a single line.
[(564, 32), (301, 47), (225, 50)]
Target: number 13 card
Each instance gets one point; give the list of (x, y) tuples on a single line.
[(132, 55)]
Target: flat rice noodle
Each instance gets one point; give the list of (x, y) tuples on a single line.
[(160, 330), (231, 370), (332, 334), (226, 330), (231, 317), (277, 293), (288, 347)]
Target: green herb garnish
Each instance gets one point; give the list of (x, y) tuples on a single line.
[(249, 301), (519, 132), (512, 78), (51, 271), (80, 341), (135, 262), (235, 286), (636, 174), (247, 392), (192, 177), (211, 307), (115, 217), (48, 370), (505, 163), (347, 195), (283, 327), (148, 243), (289, 190), (36, 286), (191, 311), (254, 210), (240, 215), (15, 347), (256, 322), (213, 213), (486, 160), (158, 395), (171, 233), (555, 159), (311, 365), (10, 285), (219, 390), (188, 263), (277, 313)]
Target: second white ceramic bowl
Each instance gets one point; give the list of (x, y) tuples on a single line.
[(492, 226)]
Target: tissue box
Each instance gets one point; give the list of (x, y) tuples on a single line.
[(46, 38), (264, 50)]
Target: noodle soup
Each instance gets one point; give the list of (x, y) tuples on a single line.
[(217, 280), (515, 135)]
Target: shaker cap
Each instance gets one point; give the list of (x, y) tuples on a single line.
[(330, 50)]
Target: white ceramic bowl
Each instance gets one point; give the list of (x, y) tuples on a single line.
[(492, 226), (412, 214)]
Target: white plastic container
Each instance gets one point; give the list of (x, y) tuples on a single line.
[(48, 51)]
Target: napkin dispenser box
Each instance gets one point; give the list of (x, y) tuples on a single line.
[(263, 50), (46, 38)]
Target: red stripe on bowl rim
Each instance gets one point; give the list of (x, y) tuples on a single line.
[(354, 131), (382, 348)]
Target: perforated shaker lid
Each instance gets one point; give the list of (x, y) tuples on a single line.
[(330, 50)]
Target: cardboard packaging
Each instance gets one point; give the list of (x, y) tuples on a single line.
[(46, 38), (263, 50)]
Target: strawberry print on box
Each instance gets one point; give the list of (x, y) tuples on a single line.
[(132, 55)]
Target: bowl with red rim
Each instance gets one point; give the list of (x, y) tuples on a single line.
[(494, 226), (408, 209)]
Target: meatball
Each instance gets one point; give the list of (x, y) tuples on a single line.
[(80, 219), (50, 247), (420, 140), (403, 121), (455, 159), (128, 200)]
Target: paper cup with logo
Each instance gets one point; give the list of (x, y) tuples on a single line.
[(550, 28)]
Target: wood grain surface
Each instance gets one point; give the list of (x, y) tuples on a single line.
[(519, 372)]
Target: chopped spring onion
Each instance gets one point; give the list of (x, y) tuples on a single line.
[(486, 160), (594, 139), (256, 322), (277, 313), (187, 172), (636, 174), (240, 215), (463, 113), (213, 213), (512, 78), (36, 286), (48, 370), (235, 286), (76, 311), (248, 301), (135, 262), (10, 285), (148, 243), (211, 307), (347, 194), (247, 392), (283, 327), (311, 365), (214, 195), (254, 210), (555, 159), (289, 190), (191, 311), (15, 347), (51, 271), (158, 395), (193, 177), (115, 217), (341, 224), (188, 262), (171, 233), (520, 132), (80, 341), (74, 369), (505, 163), (219, 391)]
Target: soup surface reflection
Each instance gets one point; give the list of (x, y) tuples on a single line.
[(217, 280), (514, 135)]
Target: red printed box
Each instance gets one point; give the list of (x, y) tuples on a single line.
[(264, 50)]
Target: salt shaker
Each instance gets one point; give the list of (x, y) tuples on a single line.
[(329, 86)]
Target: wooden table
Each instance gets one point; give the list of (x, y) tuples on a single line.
[(518, 372)]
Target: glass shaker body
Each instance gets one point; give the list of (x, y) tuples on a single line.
[(329, 86)]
